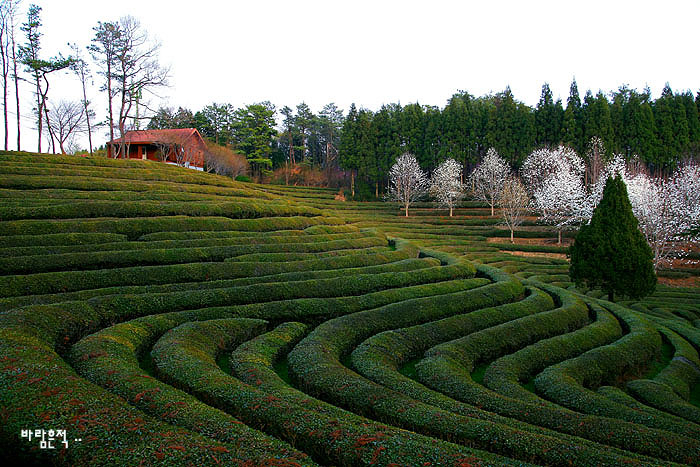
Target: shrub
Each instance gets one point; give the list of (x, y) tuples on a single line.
[(68, 281)]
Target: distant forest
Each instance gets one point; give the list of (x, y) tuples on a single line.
[(662, 132)]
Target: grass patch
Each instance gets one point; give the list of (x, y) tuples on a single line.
[(409, 369), (146, 364), (478, 373), (223, 362), (281, 367)]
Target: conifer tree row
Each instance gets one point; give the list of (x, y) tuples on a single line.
[(366, 143)]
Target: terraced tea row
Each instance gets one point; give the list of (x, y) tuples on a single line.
[(315, 334)]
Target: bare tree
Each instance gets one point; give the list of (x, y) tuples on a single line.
[(81, 69), (223, 161), (68, 119), (137, 72), (407, 182), (8, 12), (488, 178), (107, 41), (13, 6), (172, 145), (5, 60), (513, 201)]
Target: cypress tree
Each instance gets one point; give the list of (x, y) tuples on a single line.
[(611, 252)]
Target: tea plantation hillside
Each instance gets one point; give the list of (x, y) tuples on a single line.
[(163, 316)]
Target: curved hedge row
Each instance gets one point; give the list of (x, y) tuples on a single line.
[(122, 245), (28, 182), (380, 357), (566, 383), (398, 266), (314, 365), (60, 239), (68, 281), (187, 355), (155, 256), (109, 358), (670, 389), (351, 286), (453, 379), (38, 386), (506, 374), (136, 227), (248, 209)]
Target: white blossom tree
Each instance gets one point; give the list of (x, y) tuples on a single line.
[(446, 186), (555, 179), (407, 182), (560, 200), (513, 201), (488, 178), (545, 162), (668, 210)]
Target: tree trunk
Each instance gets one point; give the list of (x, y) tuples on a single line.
[(492, 209), (450, 211), (16, 78), (87, 114), (109, 98), (559, 237), (39, 109), (406, 208), (5, 72), (352, 183), (376, 189), (511, 236)]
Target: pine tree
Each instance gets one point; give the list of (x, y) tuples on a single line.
[(611, 252), (573, 125)]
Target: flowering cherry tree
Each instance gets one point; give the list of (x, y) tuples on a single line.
[(407, 182), (513, 201), (668, 210), (446, 186), (543, 163), (488, 178), (555, 178)]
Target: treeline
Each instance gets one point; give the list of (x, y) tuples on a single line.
[(661, 132)]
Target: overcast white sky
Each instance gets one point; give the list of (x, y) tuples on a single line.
[(376, 52)]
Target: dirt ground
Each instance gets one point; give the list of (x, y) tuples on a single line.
[(531, 241), (535, 254), (685, 282)]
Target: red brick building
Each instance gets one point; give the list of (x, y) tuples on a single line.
[(182, 146)]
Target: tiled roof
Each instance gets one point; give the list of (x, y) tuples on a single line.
[(148, 136)]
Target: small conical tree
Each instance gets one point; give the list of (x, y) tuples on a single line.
[(611, 252)]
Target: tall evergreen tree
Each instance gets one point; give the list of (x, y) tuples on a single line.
[(611, 252), (387, 146), (573, 124), (411, 129), (549, 119), (597, 121), (665, 126), (348, 158), (692, 117), (459, 130), (502, 125), (331, 122), (303, 122)]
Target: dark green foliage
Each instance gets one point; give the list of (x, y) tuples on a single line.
[(611, 252)]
